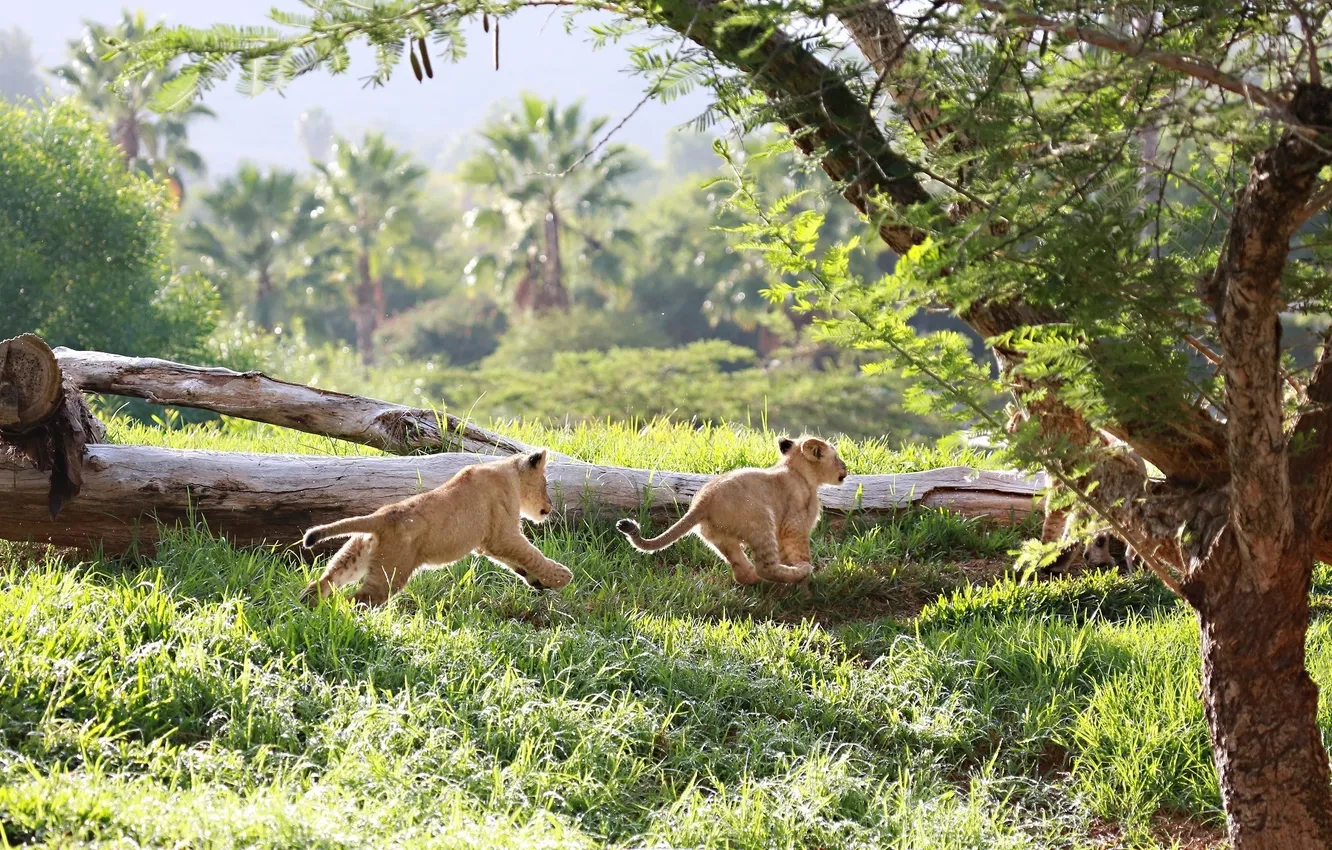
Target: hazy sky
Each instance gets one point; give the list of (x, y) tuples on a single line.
[(535, 55)]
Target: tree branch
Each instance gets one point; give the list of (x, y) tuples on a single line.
[(828, 121), (1317, 202), (1311, 445), (1248, 277), (253, 395), (1189, 66)]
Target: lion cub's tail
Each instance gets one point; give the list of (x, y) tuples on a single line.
[(629, 529), (369, 524)]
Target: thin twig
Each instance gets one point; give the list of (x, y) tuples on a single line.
[(651, 93), (1310, 42), (1190, 66), (1317, 201), (1193, 184), (1216, 360)]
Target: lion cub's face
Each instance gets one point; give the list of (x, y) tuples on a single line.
[(817, 456), (533, 502)]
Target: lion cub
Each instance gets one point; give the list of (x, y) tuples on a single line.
[(772, 511), (477, 511)]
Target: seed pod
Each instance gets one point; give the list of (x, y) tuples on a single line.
[(425, 57), (485, 21), (416, 66), (496, 46)]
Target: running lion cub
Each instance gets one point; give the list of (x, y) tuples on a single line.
[(772, 511), (477, 511)]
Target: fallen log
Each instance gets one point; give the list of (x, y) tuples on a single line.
[(43, 420), (390, 427), (30, 388), (252, 499)]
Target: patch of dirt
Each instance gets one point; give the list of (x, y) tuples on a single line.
[(1168, 830), (985, 570)]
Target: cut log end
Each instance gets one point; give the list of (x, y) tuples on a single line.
[(30, 383)]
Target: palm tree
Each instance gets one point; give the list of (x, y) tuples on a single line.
[(258, 226), (543, 193), (371, 195), (154, 144)]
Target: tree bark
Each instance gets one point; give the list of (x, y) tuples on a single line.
[(365, 310), (253, 395), (1251, 588), (554, 295), (264, 307), (127, 137), (43, 421), (1261, 705), (252, 499), (29, 382)]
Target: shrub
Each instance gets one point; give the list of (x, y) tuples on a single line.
[(462, 330), (533, 342), (85, 242), (709, 382)]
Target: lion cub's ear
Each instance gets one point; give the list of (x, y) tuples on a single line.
[(537, 459), (784, 445), (814, 448)]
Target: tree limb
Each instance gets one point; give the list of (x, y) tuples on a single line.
[(1311, 445), (251, 499), (828, 121), (1248, 280), (1318, 201), (1189, 66), (253, 395)]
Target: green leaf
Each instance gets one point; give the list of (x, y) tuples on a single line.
[(178, 92)]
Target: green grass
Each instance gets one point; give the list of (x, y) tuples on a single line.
[(660, 444), (188, 699)]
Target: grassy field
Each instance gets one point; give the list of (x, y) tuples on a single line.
[(911, 696)]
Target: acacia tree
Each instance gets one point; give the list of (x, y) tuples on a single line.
[(1026, 162), (529, 162)]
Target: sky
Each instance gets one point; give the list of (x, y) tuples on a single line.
[(535, 55)]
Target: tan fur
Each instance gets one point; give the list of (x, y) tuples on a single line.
[(478, 510), (771, 511)]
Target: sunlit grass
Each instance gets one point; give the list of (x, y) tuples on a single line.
[(912, 695), (661, 444)]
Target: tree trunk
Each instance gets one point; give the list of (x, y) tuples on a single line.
[(365, 310), (253, 395), (1261, 704), (250, 498), (528, 290), (554, 295), (264, 306), (127, 137), (381, 302), (44, 423), (30, 390)]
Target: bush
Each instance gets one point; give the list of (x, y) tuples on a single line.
[(85, 243), (533, 342), (458, 330), (709, 382)]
